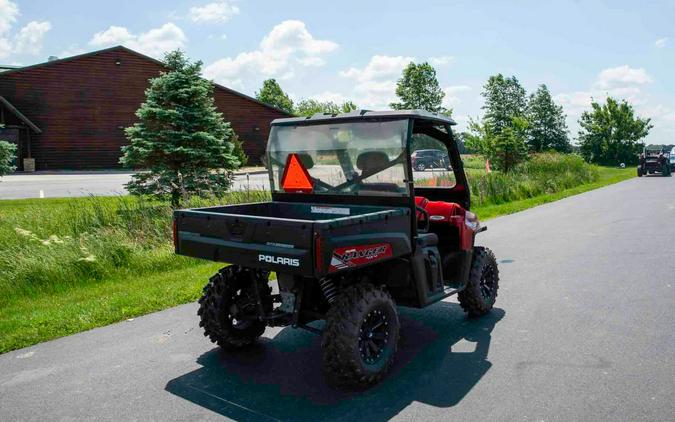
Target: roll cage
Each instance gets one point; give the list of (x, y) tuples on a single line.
[(434, 125)]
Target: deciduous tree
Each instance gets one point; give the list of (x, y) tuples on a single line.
[(181, 142), (418, 88), (611, 133), (308, 107)]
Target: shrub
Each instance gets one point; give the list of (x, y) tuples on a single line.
[(7, 156)]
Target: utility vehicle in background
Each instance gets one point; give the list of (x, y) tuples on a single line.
[(349, 235), (654, 159)]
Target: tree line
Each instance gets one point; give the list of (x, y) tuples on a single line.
[(186, 147)]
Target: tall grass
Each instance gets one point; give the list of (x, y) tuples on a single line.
[(47, 248), (543, 174)]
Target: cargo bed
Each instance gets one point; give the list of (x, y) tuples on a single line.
[(293, 238)]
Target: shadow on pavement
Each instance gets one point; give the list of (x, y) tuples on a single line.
[(441, 357)]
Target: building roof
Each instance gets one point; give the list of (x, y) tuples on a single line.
[(366, 115), (19, 115), (10, 70)]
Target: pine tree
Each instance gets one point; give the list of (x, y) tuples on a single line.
[(272, 94), (7, 157), (181, 142), (548, 128), (418, 88)]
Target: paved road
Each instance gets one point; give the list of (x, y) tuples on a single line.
[(69, 184), (584, 330)]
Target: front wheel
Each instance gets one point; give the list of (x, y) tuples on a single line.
[(480, 293), (229, 309), (639, 171), (360, 337)]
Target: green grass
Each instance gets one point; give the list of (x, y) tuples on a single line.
[(39, 318), (606, 176), (79, 263)]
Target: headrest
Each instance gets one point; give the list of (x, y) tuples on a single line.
[(306, 160), (372, 160)]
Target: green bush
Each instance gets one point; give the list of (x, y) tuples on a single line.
[(7, 156)]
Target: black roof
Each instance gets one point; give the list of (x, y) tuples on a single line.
[(7, 70), (366, 115)]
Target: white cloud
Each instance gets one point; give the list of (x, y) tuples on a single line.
[(621, 75), (72, 50), (376, 82), (154, 42), (661, 42), (441, 60), (452, 94), (334, 97), (289, 45), (29, 39), (9, 11), (216, 12)]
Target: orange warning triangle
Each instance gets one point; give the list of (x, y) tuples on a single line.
[(296, 178)]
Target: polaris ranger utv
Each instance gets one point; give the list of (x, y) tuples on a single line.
[(349, 235), (654, 159)]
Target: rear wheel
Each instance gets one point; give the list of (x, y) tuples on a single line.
[(229, 308), (421, 167), (360, 337), (639, 171), (480, 293)]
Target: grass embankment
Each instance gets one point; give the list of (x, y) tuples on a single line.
[(67, 265)]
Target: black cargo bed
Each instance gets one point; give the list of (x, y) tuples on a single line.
[(284, 236)]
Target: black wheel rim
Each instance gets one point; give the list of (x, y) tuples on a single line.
[(243, 305), (374, 336), (487, 282)]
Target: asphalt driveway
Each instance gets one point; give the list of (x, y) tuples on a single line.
[(583, 331)]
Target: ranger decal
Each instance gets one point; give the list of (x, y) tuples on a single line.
[(353, 256)]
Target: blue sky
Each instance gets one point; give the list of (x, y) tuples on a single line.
[(356, 50)]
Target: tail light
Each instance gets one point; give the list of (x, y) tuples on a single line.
[(471, 220)]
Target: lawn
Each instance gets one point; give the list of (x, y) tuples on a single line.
[(68, 265)]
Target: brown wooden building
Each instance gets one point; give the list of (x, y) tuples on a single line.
[(70, 113)]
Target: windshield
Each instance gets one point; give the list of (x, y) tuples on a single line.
[(357, 158)]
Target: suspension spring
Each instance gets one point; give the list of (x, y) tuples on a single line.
[(328, 289)]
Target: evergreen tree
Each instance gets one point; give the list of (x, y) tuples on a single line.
[(548, 128), (272, 94), (611, 133), (505, 99), (7, 157), (418, 88), (181, 141)]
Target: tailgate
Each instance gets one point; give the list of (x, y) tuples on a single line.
[(275, 244)]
